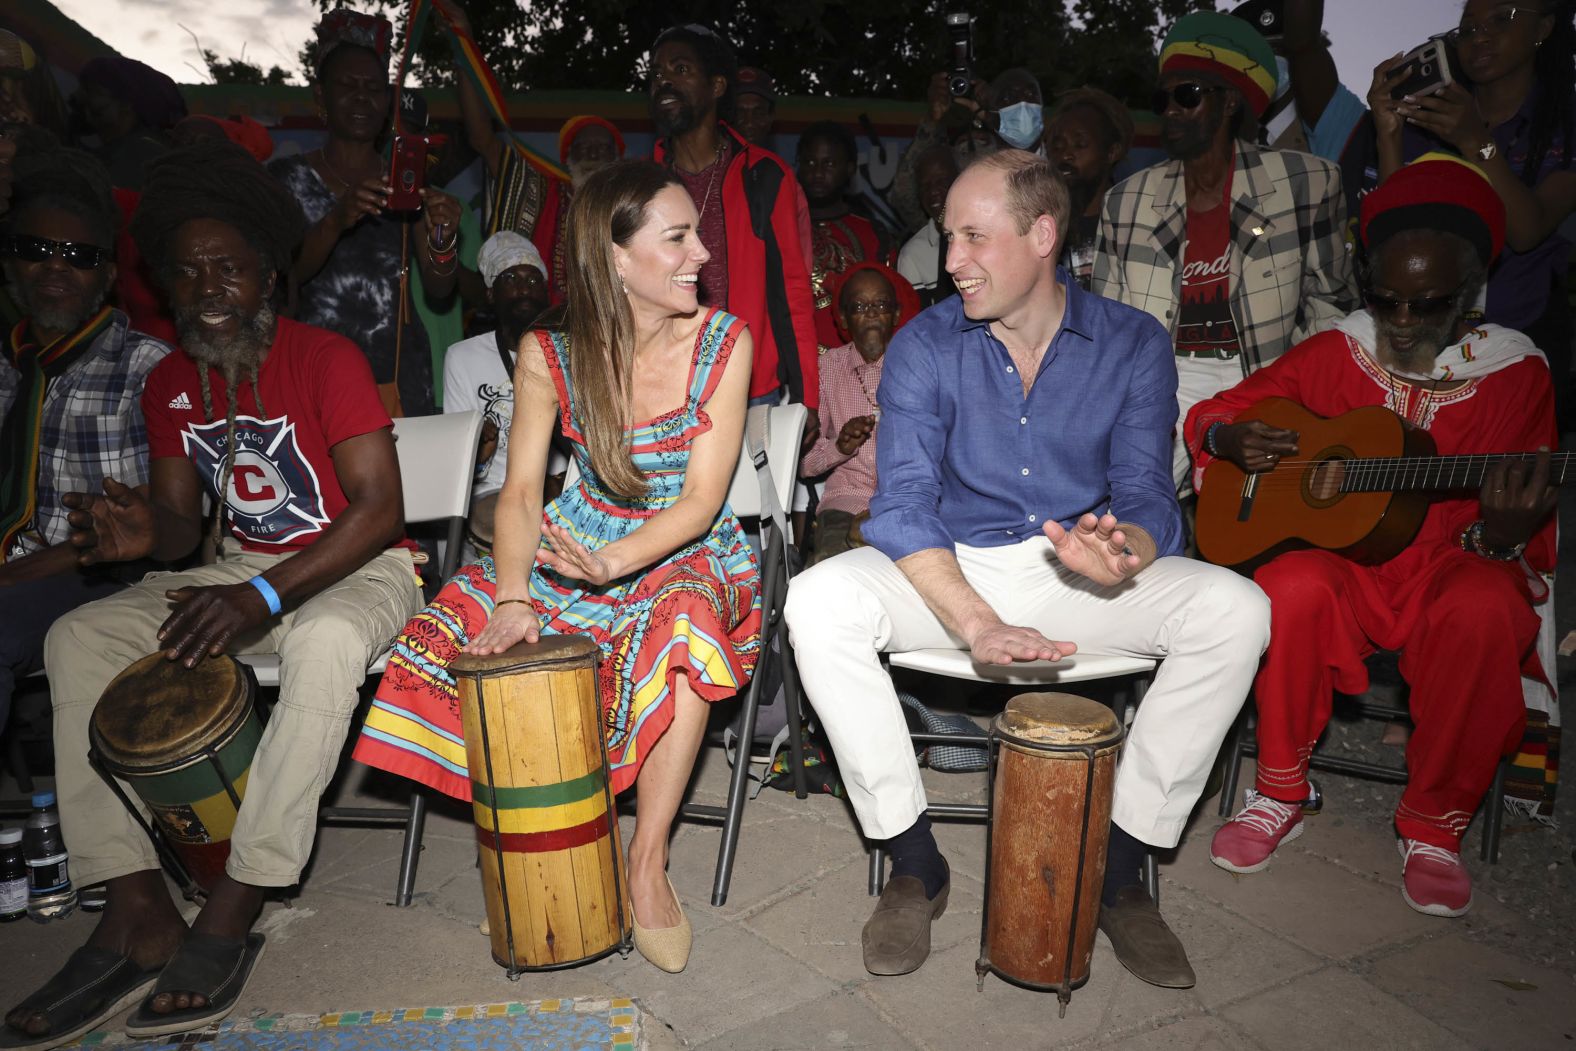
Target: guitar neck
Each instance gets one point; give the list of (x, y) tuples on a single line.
[(1400, 474)]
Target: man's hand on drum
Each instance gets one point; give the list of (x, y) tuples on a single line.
[(206, 619), (115, 526), (570, 558), (511, 623), (1094, 548), (1007, 644), (1254, 445)]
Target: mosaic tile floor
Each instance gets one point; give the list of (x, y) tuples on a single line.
[(543, 1025)]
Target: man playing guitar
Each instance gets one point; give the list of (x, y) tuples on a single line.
[(1459, 600)]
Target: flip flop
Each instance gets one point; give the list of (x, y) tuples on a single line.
[(216, 967), (94, 986)]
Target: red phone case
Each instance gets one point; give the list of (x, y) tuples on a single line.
[(407, 173)]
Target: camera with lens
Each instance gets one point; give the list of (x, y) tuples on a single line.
[(960, 44)]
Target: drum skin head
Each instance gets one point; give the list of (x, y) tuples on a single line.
[(1057, 720), (159, 708), (552, 649)]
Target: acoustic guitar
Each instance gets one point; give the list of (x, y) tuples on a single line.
[(1360, 485)]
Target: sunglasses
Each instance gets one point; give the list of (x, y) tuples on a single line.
[(1427, 306), (1186, 95), (38, 249)]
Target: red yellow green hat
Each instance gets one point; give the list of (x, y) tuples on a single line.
[(1227, 47), (1438, 191), (575, 125)]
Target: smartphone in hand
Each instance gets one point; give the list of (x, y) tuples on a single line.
[(407, 173)]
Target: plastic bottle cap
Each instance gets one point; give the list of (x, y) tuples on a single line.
[(10, 837), (43, 799)]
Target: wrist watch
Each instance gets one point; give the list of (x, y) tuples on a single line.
[(1488, 151)]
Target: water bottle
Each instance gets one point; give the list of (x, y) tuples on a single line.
[(13, 876), (49, 892)]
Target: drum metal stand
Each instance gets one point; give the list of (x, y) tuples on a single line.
[(982, 966), (625, 945), (172, 862)]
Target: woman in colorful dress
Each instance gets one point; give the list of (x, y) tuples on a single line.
[(642, 553)]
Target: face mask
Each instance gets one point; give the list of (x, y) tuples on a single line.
[(1022, 124)]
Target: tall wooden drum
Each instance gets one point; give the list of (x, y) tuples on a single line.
[(184, 739), (552, 867), (1053, 768)]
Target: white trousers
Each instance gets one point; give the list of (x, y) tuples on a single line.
[(1209, 624), (1197, 379)]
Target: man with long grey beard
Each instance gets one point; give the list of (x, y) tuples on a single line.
[(280, 426), (1465, 601)]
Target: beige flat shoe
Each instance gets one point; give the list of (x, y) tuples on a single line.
[(667, 947)]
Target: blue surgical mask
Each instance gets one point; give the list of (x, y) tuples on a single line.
[(1022, 124)]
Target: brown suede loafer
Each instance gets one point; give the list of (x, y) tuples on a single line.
[(897, 935), (1143, 942)]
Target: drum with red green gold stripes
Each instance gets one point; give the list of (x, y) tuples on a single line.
[(184, 739), (552, 867)]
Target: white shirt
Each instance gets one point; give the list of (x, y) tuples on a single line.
[(474, 378), (917, 260)]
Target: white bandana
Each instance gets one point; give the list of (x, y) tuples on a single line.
[(1485, 349)]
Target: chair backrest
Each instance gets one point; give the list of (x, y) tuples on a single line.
[(782, 455), (437, 463)]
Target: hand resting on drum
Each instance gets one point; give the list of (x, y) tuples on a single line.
[(511, 623), (206, 619)]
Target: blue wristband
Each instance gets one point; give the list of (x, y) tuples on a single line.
[(265, 589)]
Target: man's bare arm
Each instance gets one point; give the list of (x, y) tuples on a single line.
[(939, 580)]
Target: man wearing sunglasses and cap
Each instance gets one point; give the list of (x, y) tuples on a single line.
[(1238, 251), (1465, 602), (71, 379)]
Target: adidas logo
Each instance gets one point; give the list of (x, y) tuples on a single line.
[(180, 401)]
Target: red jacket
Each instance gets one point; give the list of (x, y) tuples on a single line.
[(768, 282)]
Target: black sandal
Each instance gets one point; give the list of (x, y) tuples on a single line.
[(94, 986), (217, 968)]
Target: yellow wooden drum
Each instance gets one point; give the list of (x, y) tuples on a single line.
[(1053, 771), (552, 867), (184, 739)]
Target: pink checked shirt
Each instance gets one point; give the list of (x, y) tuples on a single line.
[(848, 390)]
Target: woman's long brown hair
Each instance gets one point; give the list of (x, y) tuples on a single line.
[(598, 322)]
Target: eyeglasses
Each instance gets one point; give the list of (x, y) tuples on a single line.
[(1496, 24), (1426, 306), (1186, 95), (38, 249), (880, 306)]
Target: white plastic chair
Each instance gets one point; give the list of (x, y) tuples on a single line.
[(784, 427), (437, 460), (957, 664)]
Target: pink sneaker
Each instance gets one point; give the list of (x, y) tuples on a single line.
[(1433, 880), (1245, 843)]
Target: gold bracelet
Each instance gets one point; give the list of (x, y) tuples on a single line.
[(506, 601)]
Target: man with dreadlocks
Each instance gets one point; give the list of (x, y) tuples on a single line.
[(71, 378), (281, 426)]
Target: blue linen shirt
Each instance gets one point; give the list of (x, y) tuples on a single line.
[(964, 457)]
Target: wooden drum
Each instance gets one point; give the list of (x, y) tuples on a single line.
[(1053, 770), (552, 867), (184, 739)]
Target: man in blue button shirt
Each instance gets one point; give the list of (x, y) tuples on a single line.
[(1024, 495)]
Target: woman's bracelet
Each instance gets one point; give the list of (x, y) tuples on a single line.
[(447, 248), (508, 601)]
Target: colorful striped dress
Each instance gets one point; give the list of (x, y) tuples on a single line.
[(696, 613)]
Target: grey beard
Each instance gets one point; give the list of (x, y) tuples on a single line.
[(580, 171), (1417, 363), (65, 321), (233, 354)]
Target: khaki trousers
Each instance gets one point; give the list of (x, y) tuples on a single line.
[(325, 645), (1209, 624)]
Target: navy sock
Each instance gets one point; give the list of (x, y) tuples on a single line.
[(1124, 863), (914, 853)]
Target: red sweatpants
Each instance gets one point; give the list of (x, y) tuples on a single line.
[(1464, 626)]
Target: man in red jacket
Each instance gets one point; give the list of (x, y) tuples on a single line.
[(753, 219)]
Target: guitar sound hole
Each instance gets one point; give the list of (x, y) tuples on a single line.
[(1323, 484)]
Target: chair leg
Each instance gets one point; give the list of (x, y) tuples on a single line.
[(1152, 876), (877, 870), (1228, 790), (1494, 819), (794, 699), (738, 791), (412, 851)]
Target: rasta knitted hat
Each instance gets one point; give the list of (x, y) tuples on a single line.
[(575, 125), (1438, 191), (1226, 47)]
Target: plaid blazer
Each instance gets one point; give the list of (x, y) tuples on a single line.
[(1291, 272), (92, 428)]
